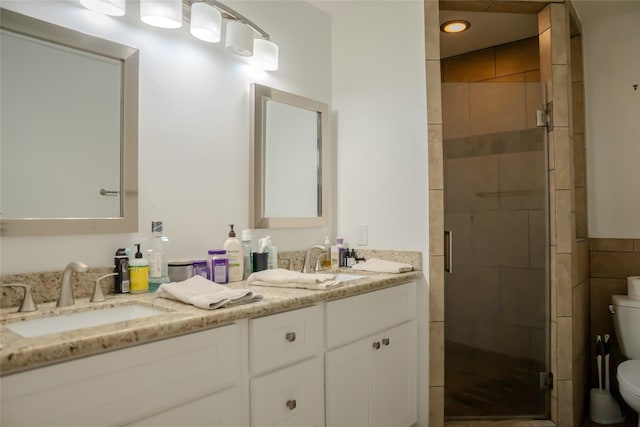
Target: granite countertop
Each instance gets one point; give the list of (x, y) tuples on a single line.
[(19, 354)]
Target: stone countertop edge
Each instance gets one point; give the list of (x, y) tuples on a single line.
[(18, 354)]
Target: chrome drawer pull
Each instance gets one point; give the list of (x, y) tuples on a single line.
[(291, 404), (291, 336), (385, 341), (376, 345)]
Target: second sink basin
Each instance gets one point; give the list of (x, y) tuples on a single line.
[(86, 319)]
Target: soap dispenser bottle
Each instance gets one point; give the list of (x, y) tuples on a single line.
[(138, 274), (326, 258), (234, 253), (157, 257)]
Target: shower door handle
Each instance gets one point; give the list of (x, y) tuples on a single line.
[(448, 251)]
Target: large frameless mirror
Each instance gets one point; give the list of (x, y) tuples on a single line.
[(289, 160), (69, 131)]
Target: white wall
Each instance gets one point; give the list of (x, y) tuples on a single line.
[(611, 51), (379, 122), (193, 129)]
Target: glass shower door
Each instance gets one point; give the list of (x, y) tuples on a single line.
[(496, 290)]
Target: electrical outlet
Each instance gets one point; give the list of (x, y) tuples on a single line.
[(363, 235)]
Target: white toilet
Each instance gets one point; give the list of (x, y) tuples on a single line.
[(626, 319)]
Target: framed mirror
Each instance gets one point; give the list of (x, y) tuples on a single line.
[(69, 131), (289, 171)]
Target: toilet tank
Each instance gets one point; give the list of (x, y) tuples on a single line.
[(626, 320)]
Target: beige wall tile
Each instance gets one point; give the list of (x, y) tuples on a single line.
[(436, 222), (577, 98), (436, 289), (434, 93), (565, 234), (544, 40), (496, 107), (579, 162), (436, 354), (501, 238), (517, 57), (434, 133), (611, 245), (539, 347), (532, 76), (554, 410), (563, 158), (436, 406), (583, 260), (560, 96), (575, 266), (552, 153), (559, 34), (553, 357), (472, 295), (471, 67), (468, 179), (565, 403), (564, 348), (581, 213), (511, 78), (614, 264), (544, 19), (563, 285), (576, 58), (580, 389), (432, 30), (580, 322), (455, 110)]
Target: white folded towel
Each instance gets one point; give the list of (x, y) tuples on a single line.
[(381, 266), (283, 278), (206, 294)]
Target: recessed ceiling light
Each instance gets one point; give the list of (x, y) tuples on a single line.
[(455, 26)]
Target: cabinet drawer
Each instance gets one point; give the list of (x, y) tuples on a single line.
[(124, 385), (356, 317), (285, 338), (292, 396)]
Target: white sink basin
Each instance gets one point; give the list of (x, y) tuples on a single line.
[(85, 319), (345, 277)]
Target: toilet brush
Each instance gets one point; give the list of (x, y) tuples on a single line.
[(606, 362), (603, 408), (599, 352)]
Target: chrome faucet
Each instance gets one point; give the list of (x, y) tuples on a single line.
[(66, 289), (306, 267)]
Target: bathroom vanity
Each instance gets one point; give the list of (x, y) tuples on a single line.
[(346, 356)]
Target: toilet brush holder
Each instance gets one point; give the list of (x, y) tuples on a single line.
[(603, 408)]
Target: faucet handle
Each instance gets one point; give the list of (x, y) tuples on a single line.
[(27, 301), (98, 296)]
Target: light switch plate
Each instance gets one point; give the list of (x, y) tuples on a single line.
[(363, 235)]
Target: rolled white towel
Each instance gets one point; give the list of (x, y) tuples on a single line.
[(203, 293), (283, 278), (381, 266)]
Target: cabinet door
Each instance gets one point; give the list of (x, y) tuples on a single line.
[(290, 397), (347, 384), (393, 378), (222, 409)]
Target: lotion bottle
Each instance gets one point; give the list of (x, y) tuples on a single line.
[(138, 274), (235, 256)]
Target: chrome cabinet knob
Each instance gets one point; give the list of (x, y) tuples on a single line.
[(291, 404), (376, 345), (385, 341), (291, 336)]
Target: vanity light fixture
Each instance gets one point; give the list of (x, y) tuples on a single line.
[(107, 7), (243, 37), (455, 26), (161, 13)]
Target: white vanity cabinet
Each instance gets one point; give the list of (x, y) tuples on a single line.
[(196, 376), (370, 368), (287, 372)]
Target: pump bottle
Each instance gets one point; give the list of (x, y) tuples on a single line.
[(157, 257), (235, 256), (138, 274)]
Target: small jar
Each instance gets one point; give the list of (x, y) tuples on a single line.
[(200, 268), (218, 264), (180, 270)]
